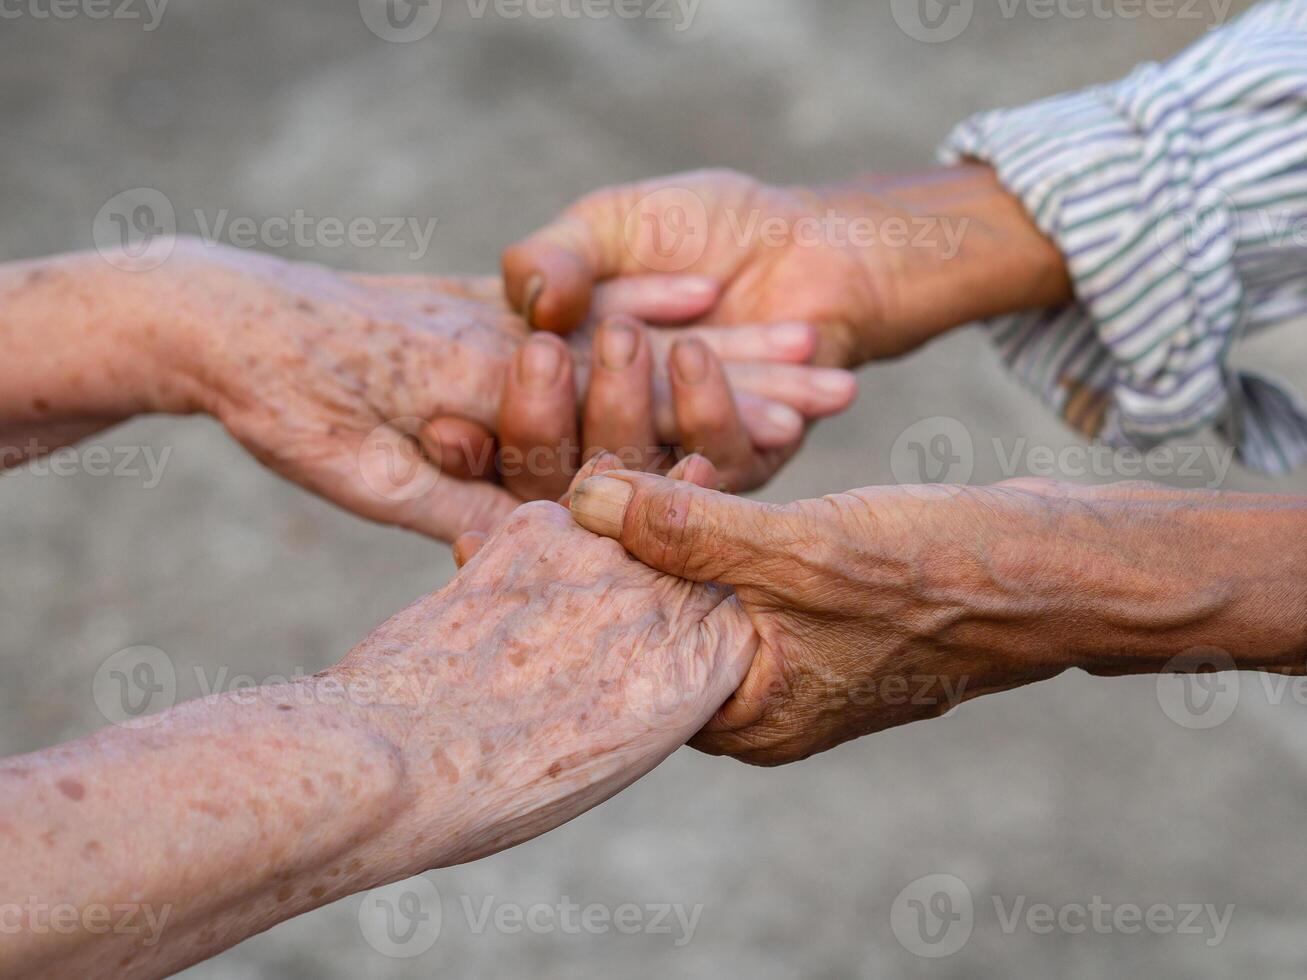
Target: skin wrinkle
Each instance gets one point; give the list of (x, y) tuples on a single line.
[(298, 362), (303, 365), (862, 598)]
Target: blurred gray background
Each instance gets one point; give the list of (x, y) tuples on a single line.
[(1076, 789)]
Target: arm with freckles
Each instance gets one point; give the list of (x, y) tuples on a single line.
[(222, 818), (380, 393), (552, 673), (76, 359)]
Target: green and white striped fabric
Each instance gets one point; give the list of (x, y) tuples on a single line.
[(1179, 198)]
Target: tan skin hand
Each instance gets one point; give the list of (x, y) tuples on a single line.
[(854, 638), (879, 265), (884, 606), (624, 231)]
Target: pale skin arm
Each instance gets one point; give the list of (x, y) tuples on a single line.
[(325, 376), (549, 675), (76, 360), (223, 818)]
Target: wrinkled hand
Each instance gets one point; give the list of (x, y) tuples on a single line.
[(879, 265), (745, 237), (551, 673), (382, 394), (873, 608)]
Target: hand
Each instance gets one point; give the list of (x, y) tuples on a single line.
[(880, 607), (553, 672), (381, 393), (880, 266), (712, 412)]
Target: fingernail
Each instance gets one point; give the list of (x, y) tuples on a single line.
[(534, 287), (787, 421), (791, 334), (541, 362), (690, 358), (617, 346), (835, 382), (698, 286), (599, 505)]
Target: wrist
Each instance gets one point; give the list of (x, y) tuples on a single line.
[(1127, 578), (90, 341), (962, 248)]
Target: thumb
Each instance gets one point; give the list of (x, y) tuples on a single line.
[(679, 528), (550, 277)]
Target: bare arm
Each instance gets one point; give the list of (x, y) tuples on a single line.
[(551, 674), (86, 346), (885, 606)]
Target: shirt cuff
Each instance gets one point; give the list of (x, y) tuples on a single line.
[(1121, 179)]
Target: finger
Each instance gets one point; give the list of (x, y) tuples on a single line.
[(595, 466), (467, 546), (550, 277), (390, 480), (656, 299), (789, 343), (537, 421), (619, 405), (460, 448), (706, 416), (769, 424), (813, 392), (695, 469), (684, 530)]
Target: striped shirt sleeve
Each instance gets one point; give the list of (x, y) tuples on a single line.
[(1179, 198)]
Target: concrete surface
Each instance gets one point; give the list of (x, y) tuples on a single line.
[(1076, 789)]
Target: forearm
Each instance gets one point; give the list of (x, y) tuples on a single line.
[(87, 344), (209, 824), (971, 251), (1126, 579)]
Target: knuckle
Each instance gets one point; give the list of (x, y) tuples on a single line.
[(542, 512), (671, 522)]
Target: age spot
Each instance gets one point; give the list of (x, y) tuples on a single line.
[(445, 766), (71, 788), (214, 810)]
